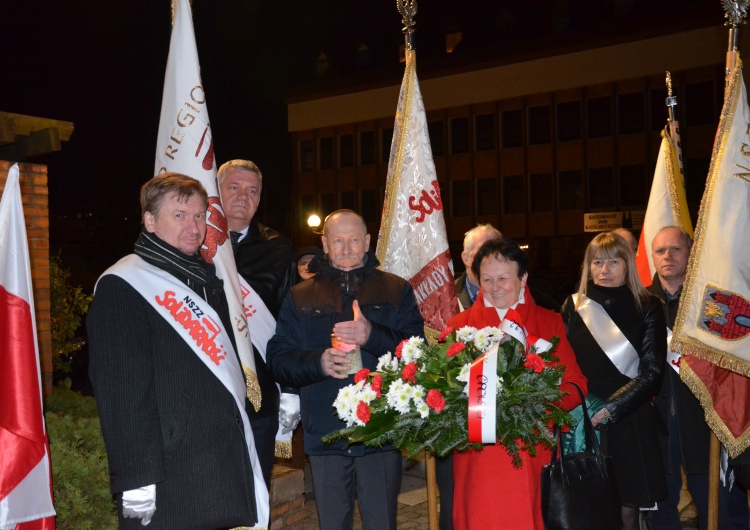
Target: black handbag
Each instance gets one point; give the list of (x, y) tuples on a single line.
[(578, 489)]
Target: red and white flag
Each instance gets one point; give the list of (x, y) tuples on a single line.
[(25, 474), (185, 145), (667, 203), (412, 242), (712, 330)]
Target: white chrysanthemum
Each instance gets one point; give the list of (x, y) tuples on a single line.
[(482, 339), (417, 392), (495, 334), (367, 394), (412, 350), (463, 377), (399, 396), (499, 385), (465, 334), (384, 362), (421, 407)]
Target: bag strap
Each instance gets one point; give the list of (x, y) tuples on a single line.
[(592, 443)]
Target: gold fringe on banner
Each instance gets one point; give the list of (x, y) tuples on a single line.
[(734, 446), (283, 449), (252, 387)]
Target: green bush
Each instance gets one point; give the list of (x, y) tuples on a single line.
[(68, 305), (79, 462)]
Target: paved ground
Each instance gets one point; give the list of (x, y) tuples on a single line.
[(412, 507)]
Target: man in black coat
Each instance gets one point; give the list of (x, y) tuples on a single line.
[(167, 379), (353, 301), (265, 259)]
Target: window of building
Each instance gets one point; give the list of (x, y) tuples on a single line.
[(539, 125), (542, 192), (571, 190), (371, 206), (367, 148), (461, 198), (346, 150), (459, 135), (487, 203), (306, 156), (568, 121), (658, 112), (452, 40), (696, 170), (512, 128), (325, 146), (699, 103), (437, 137), (601, 187), (386, 137), (484, 132), (599, 117), (349, 200), (630, 114), (306, 206), (633, 185), (327, 204), (514, 198)]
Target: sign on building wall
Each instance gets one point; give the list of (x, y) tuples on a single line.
[(606, 221)]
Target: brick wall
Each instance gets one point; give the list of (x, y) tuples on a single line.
[(35, 197), (287, 499)]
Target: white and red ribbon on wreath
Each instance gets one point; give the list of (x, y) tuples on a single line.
[(483, 379)]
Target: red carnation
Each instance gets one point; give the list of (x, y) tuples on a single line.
[(399, 348), (363, 412), (443, 334), (534, 362), (435, 400), (377, 383), (455, 348), (361, 375), (407, 374)]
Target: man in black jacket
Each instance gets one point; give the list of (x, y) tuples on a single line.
[(265, 259), (168, 382), (351, 300), (686, 438)]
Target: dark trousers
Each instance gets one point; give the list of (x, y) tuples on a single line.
[(375, 479), (444, 477), (264, 433), (733, 507)]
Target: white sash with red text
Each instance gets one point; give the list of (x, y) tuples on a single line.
[(201, 329), (609, 337), (483, 379)]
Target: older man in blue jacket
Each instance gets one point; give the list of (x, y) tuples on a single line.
[(353, 301)]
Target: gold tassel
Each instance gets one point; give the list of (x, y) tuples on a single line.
[(283, 449), (253, 387)]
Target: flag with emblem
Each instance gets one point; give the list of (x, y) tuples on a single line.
[(667, 203), (25, 476), (185, 145), (712, 330), (412, 242)]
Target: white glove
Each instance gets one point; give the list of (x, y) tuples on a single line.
[(140, 503), (288, 412)]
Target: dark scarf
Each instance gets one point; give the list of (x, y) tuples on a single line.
[(191, 270), (346, 280)]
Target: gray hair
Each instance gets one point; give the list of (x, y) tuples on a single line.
[(471, 235), (245, 165)]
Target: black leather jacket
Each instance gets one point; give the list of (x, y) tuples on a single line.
[(265, 258), (645, 330)]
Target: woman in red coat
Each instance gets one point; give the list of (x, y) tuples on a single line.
[(489, 493)]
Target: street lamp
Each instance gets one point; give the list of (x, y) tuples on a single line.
[(314, 223)]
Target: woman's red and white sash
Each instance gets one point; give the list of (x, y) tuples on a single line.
[(200, 327), (483, 379), (608, 336)]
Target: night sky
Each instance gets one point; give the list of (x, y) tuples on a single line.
[(100, 64)]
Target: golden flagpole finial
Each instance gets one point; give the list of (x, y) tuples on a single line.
[(735, 11), (671, 100), (408, 9)]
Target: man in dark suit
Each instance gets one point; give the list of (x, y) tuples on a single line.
[(167, 379), (265, 259)]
